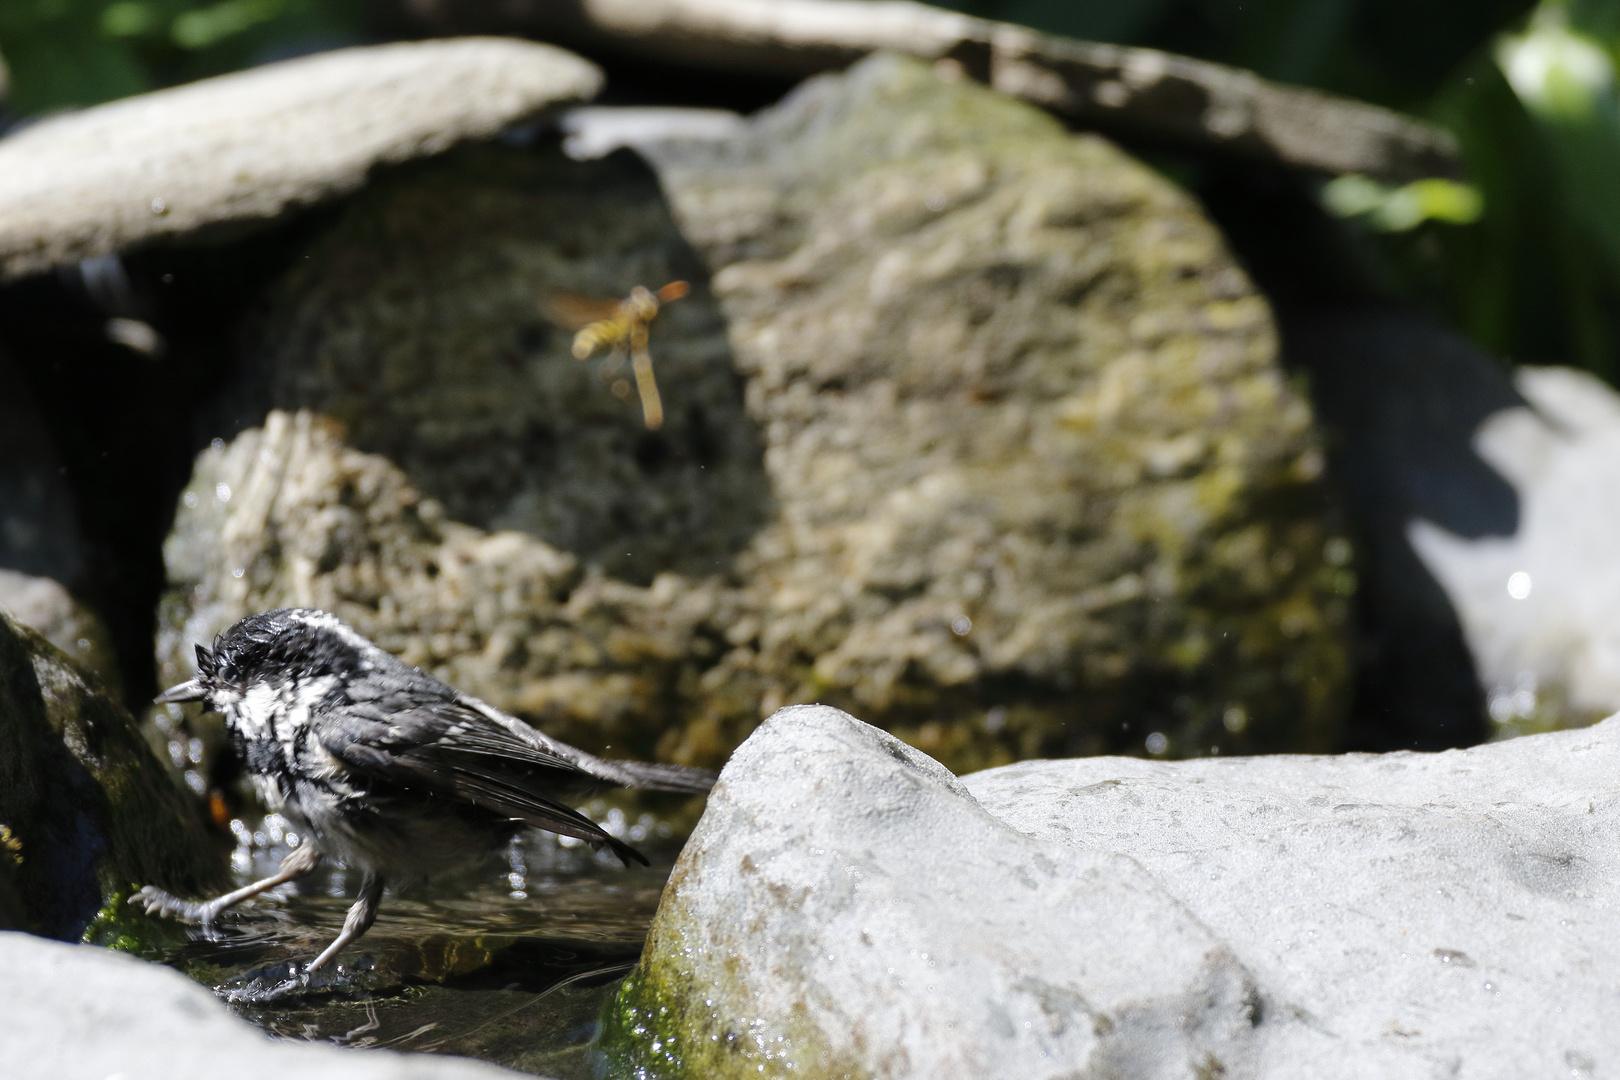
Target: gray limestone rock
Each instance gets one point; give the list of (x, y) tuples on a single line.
[(73, 1010), (244, 148), (846, 907), (87, 812), (973, 426), (1449, 914), (1537, 601), (289, 516)]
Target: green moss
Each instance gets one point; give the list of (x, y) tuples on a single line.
[(662, 1027)]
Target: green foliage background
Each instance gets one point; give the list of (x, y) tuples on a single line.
[(1527, 263), (70, 53)]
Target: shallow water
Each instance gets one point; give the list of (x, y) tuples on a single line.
[(511, 961)]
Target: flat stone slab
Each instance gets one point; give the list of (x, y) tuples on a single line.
[(251, 145), (846, 906), (77, 1010), (1448, 914)]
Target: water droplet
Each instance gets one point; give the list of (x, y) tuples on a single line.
[(222, 492), (1157, 743), (961, 625), (190, 499), (1518, 585), (159, 207)]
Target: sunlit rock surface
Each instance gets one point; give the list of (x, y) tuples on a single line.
[(290, 515), (72, 1011), (973, 426), (1538, 605), (848, 908), (243, 148), (86, 811), (1026, 429), (42, 604)]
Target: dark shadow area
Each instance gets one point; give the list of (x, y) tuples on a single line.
[(39, 520), (122, 421), (1399, 398), (632, 78), (48, 798), (436, 319)]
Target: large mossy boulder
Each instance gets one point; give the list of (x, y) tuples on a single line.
[(974, 426), (87, 812)]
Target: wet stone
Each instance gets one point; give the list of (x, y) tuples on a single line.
[(87, 812)]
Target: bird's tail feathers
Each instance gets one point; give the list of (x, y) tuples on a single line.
[(653, 776), (624, 851)]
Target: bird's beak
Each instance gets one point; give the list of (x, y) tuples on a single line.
[(192, 690)]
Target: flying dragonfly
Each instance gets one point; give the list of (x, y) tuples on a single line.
[(618, 325)]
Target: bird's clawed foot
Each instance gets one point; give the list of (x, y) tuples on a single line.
[(158, 902)]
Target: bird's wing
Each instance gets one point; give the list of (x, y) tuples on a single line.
[(645, 776), (446, 748)]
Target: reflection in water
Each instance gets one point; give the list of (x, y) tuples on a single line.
[(510, 962)]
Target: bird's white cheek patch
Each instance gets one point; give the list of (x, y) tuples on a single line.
[(256, 712)]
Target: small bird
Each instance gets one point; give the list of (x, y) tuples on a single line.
[(383, 767)]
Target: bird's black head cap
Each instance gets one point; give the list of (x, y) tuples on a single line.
[(288, 643)]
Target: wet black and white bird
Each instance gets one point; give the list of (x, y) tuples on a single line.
[(383, 767)]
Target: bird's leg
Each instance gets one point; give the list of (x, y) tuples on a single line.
[(300, 861), (358, 921)]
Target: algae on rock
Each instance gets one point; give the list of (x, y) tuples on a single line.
[(975, 428), (1026, 427)]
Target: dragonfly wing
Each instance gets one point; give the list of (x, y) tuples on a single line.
[(575, 312)]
